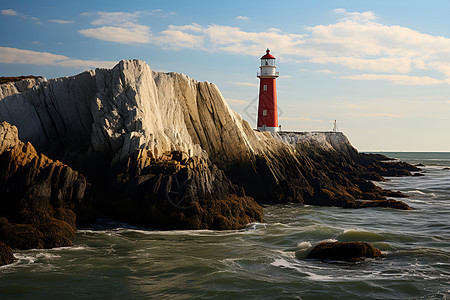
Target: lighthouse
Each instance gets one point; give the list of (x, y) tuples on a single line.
[(267, 106)]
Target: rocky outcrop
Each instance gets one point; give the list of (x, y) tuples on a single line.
[(343, 251), (37, 195), (343, 175), (6, 254), (164, 150)]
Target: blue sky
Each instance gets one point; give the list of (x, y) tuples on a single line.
[(380, 68)]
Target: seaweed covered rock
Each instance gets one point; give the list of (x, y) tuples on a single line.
[(6, 254), (51, 234), (37, 195), (344, 251)]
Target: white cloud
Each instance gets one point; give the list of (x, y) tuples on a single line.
[(356, 41), (356, 106), (236, 101), (59, 21), (379, 115), (241, 18), (300, 119), (384, 64), (124, 27), (119, 27), (399, 79), (176, 39), (238, 83), (137, 34), (326, 71), (9, 12), (19, 56), (114, 18), (192, 27), (356, 16)]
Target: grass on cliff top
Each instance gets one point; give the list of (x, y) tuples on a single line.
[(14, 79)]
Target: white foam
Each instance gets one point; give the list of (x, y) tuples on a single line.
[(416, 192), (281, 262), (47, 255), (23, 258), (329, 240), (317, 277), (304, 245)]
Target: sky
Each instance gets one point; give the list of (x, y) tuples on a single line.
[(380, 68)]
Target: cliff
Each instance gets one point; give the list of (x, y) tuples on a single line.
[(164, 150)]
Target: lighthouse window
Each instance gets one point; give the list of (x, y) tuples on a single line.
[(264, 113), (265, 87)]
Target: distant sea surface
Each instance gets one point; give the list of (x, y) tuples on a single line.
[(114, 260)]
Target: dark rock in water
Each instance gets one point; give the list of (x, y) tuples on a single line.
[(446, 169), (420, 165), (378, 157), (178, 191), (36, 236), (383, 203), (343, 251), (418, 174), (6, 254), (21, 236)]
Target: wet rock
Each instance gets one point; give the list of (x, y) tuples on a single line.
[(52, 234), (383, 203), (37, 195), (344, 251), (21, 236), (6, 254), (177, 192)]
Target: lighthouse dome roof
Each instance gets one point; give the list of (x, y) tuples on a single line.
[(267, 55)]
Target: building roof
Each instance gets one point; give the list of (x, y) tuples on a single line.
[(267, 55)]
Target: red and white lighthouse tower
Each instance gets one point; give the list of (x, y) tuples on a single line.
[(267, 107)]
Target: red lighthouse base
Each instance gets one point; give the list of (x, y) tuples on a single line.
[(267, 109)]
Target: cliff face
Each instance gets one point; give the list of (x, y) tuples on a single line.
[(165, 150)]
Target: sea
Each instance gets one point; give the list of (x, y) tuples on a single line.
[(113, 260)]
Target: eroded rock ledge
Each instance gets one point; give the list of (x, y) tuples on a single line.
[(165, 151), (38, 196)]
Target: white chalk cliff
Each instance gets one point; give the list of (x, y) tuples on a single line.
[(127, 108)]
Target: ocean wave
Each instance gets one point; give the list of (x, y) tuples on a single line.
[(350, 235), (25, 259)]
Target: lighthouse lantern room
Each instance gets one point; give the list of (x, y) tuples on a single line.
[(267, 107)]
